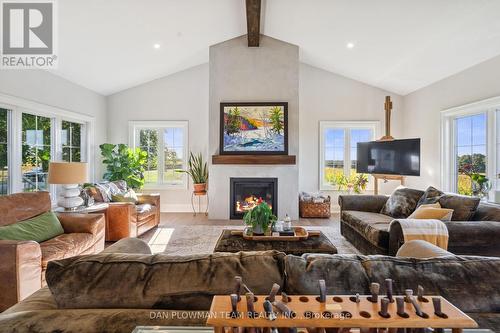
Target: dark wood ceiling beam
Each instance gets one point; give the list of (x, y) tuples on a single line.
[(253, 22)]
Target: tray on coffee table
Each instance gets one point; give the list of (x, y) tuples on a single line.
[(300, 233)]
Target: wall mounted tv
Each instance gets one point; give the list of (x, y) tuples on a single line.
[(395, 157)]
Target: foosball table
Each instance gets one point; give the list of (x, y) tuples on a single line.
[(243, 312)]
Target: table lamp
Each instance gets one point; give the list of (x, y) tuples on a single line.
[(69, 175)]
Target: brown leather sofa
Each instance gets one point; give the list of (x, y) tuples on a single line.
[(23, 263), (125, 290), (126, 219)]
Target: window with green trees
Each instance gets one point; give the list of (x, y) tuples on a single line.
[(36, 151), (71, 141), (470, 149), (4, 135)]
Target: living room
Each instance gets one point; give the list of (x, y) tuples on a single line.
[(160, 158)]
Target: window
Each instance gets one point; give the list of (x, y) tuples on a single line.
[(4, 139), (338, 149), (470, 139), (36, 151), (470, 150), (71, 141), (166, 145)]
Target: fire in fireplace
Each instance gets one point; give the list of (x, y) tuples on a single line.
[(246, 193)]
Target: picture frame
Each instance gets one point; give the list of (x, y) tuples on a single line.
[(253, 128)]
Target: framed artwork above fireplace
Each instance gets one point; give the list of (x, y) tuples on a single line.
[(259, 128)]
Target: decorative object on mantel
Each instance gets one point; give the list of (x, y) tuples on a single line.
[(260, 219), (198, 170), (254, 128), (314, 205)]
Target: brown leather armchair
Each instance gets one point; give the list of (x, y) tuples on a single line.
[(126, 219), (23, 263)]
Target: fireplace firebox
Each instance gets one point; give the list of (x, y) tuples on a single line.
[(246, 193)]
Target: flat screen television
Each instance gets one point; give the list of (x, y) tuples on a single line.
[(395, 157)]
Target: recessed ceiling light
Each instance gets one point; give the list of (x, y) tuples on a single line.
[(350, 45), (156, 46)]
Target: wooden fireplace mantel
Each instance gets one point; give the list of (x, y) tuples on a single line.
[(254, 159)]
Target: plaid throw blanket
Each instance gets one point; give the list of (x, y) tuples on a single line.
[(432, 231)]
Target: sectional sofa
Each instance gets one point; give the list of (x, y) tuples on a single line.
[(126, 286)]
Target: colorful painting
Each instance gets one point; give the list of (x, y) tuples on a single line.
[(254, 128)]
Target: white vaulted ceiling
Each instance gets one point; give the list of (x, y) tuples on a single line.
[(399, 45)]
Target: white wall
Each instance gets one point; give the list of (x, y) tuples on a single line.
[(269, 72), (422, 112), (328, 96), (46, 88), (181, 96)]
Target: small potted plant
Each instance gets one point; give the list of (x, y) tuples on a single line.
[(260, 218), (198, 171)]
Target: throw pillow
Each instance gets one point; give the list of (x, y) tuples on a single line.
[(128, 196), (39, 228), (402, 202), (429, 212), (431, 195), (463, 206)]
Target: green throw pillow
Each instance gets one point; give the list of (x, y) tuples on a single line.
[(39, 228), (128, 196)]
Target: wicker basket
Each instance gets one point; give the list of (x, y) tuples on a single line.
[(315, 210)]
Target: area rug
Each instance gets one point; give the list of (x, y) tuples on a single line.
[(198, 239)]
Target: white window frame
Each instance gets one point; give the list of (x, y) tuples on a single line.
[(448, 148), (17, 106), (373, 125), (134, 129)]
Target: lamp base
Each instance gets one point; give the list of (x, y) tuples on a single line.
[(69, 197)]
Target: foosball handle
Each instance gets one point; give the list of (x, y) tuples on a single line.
[(234, 305), (284, 297), (250, 305), (436, 302), (417, 307), (274, 291), (237, 287), (322, 291), (400, 305), (409, 295), (268, 308), (388, 286), (384, 307), (420, 293), (374, 289)]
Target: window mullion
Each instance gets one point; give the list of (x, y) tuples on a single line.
[(347, 152), (161, 154)]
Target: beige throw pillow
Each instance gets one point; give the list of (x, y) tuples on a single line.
[(432, 211)]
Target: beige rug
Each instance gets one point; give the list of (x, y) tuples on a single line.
[(197, 239)]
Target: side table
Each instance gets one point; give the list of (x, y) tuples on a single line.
[(198, 195), (97, 208)]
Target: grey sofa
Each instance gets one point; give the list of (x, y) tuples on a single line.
[(115, 292), (369, 231)]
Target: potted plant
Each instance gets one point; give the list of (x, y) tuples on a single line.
[(124, 163), (198, 171), (260, 218)]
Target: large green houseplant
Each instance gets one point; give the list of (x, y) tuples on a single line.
[(124, 163), (198, 170), (260, 218)]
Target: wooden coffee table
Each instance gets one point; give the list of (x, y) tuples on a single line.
[(228, 242)]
